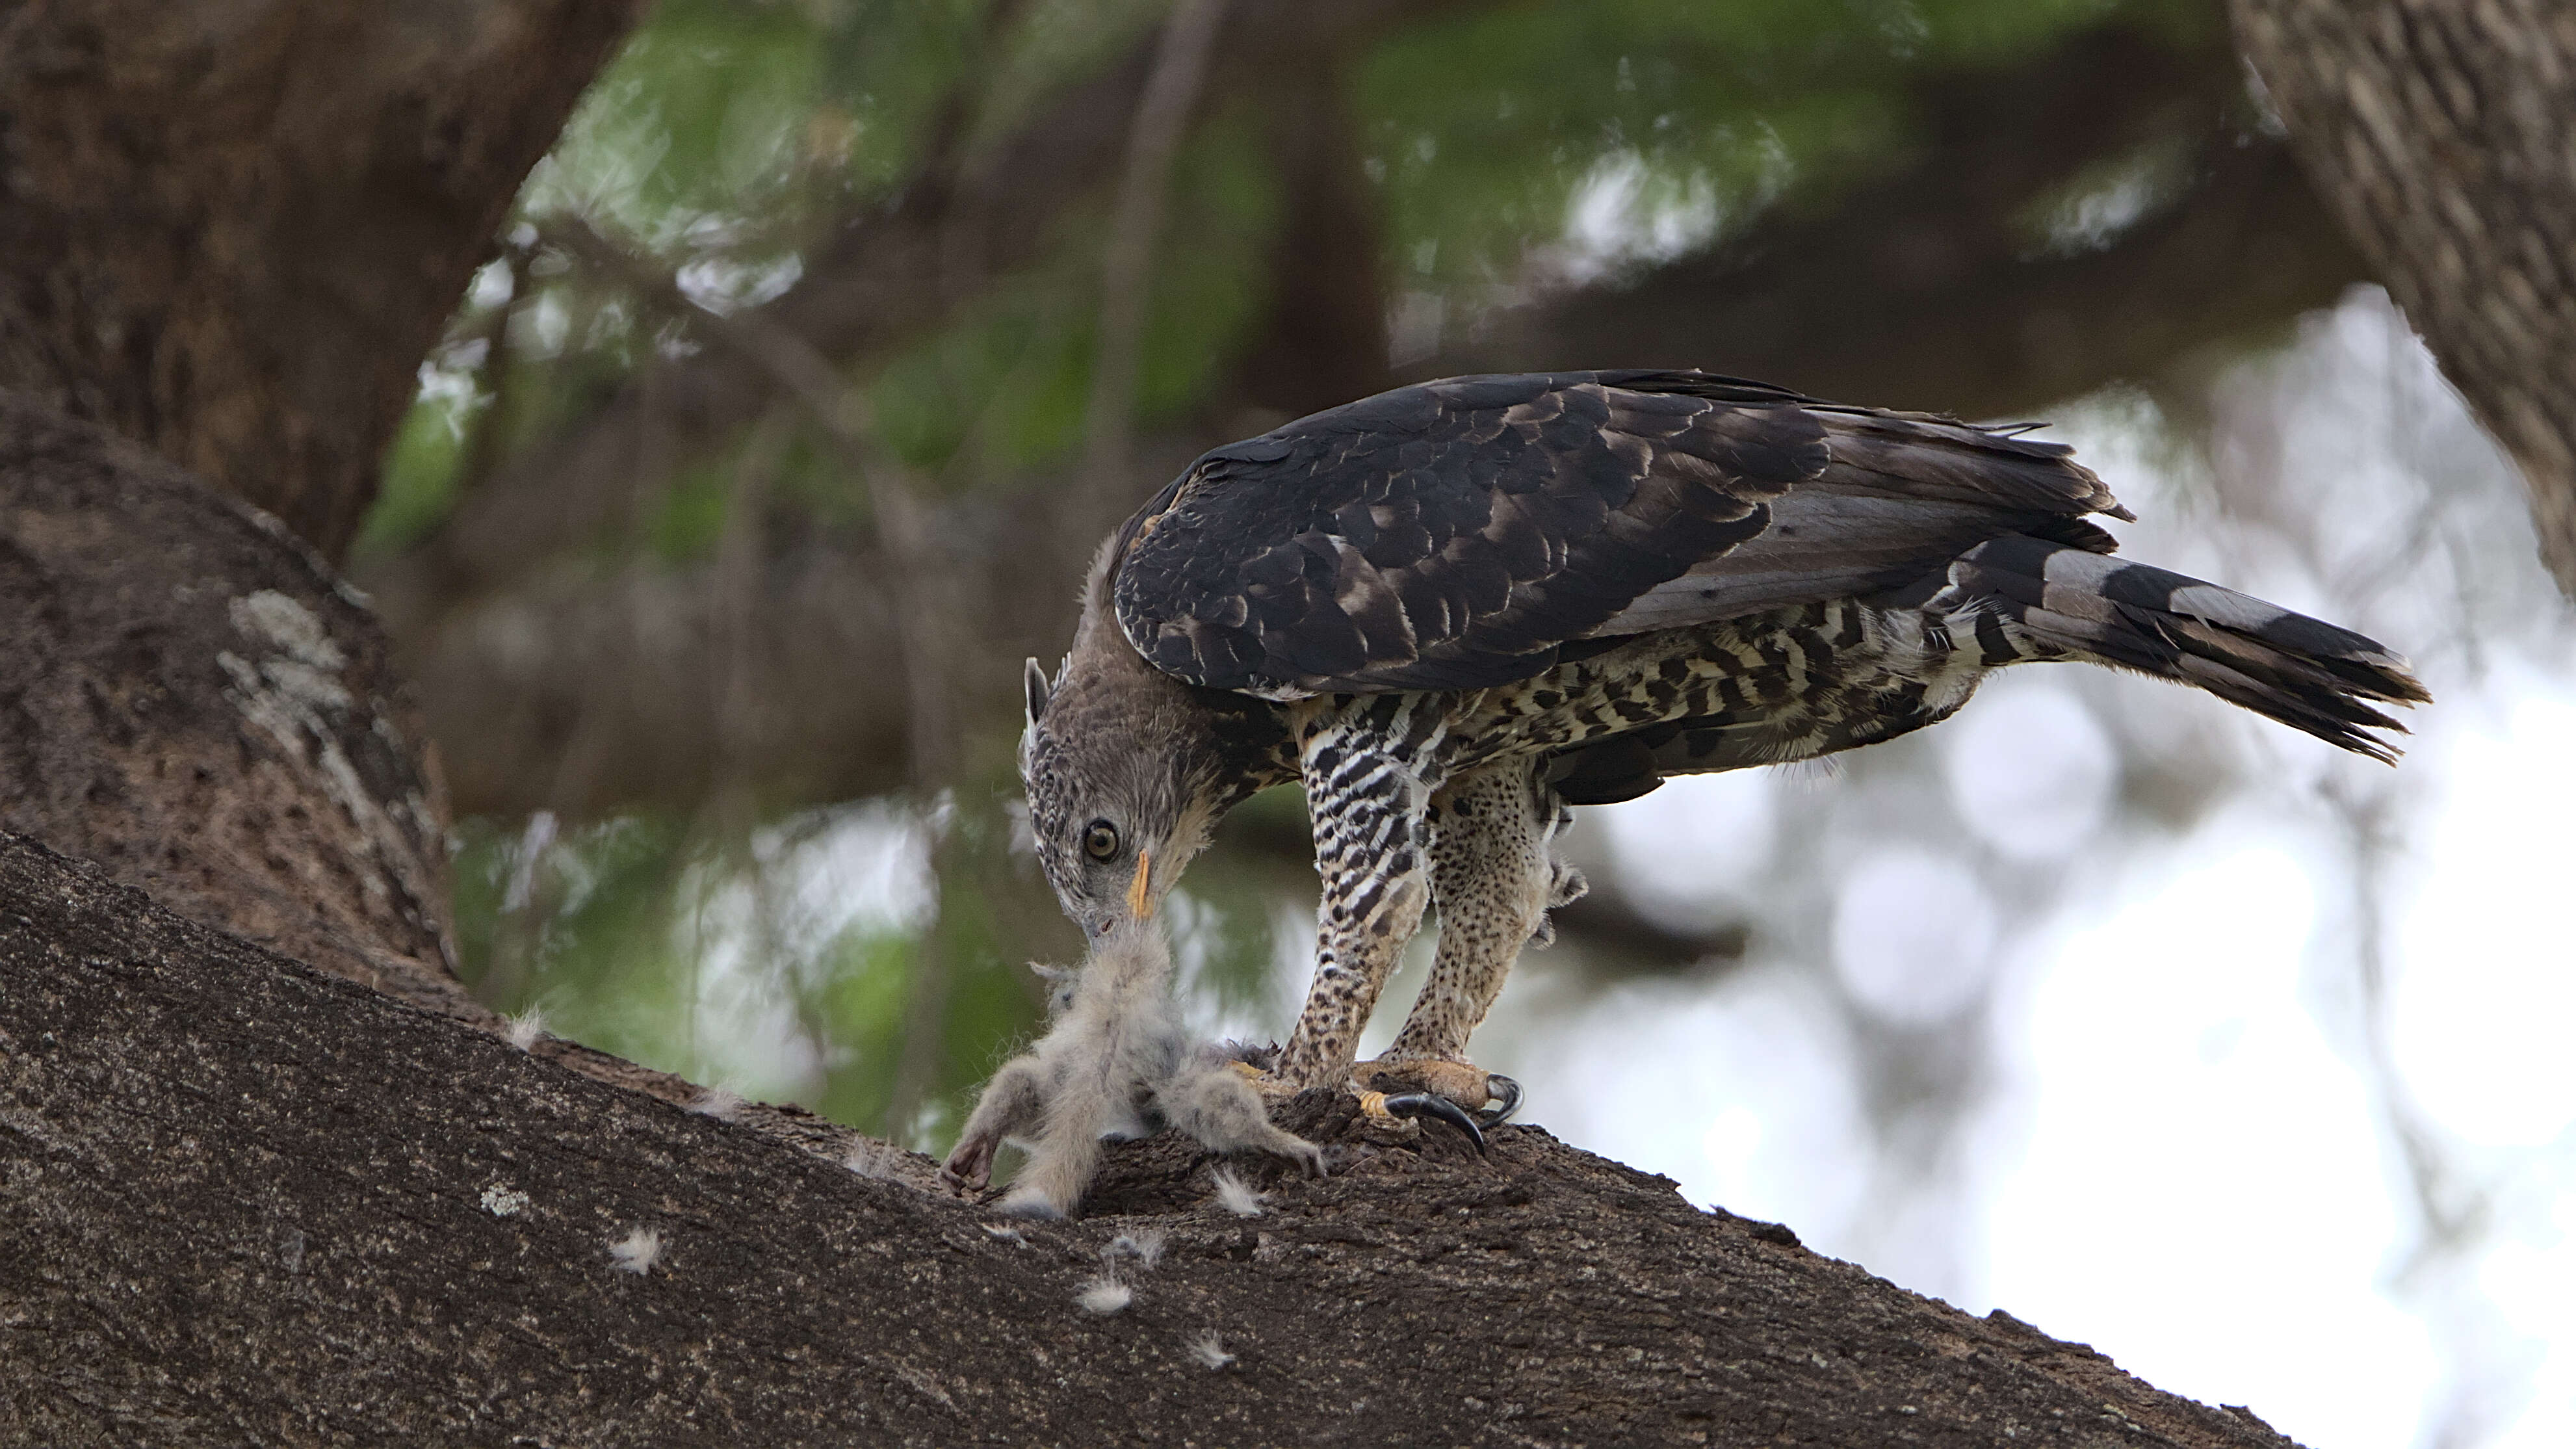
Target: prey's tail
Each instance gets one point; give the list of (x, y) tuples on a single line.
[(2033, 599)]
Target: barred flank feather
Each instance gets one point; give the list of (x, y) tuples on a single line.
[(2055, 600)]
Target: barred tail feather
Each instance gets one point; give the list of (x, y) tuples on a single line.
[(2046, 599)]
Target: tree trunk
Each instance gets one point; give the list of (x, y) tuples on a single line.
[(190, 696), (230, 228), (228, 231), (274, 1208), (2440, 134), (195, 702)]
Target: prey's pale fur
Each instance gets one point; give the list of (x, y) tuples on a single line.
[(1117, 1062)]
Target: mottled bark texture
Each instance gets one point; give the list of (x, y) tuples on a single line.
[(229, 229), (2442, 133), (191, 699), (228, 232), (257, 1205)]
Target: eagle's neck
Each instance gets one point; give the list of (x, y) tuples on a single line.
[(1219, 747)]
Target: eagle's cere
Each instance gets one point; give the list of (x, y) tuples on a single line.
[(1453, 610)]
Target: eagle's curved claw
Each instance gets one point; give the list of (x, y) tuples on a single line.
[(1506, 1099), (1423, 1104)]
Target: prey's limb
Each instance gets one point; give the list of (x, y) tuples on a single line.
[(1013, 1105), (1068, 1147), (1217, 1104)]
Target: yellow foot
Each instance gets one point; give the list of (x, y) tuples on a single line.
[(1393, 1091), (1390, 1109), (1489, 1097), (1462, 1094), (1273, 1089)]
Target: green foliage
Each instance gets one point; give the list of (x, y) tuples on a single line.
[(693, 952), (691, 518), (731, 120), (1678, 122), (1012, 376), (420, 471), (868, 981), (582, 926)]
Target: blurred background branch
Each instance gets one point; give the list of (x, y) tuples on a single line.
[(1126, 271), (2184, 234)]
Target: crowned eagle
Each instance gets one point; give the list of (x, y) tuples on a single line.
[(1453, 610)]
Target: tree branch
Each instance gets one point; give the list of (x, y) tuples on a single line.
[(192, 699), (308, 1208), (229, 230), (887, 276), (921, 593), (1324, 342), (1825, 301), (1126, 268)]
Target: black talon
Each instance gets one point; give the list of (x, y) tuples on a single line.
[(1509, 1091), (1430, 1104)]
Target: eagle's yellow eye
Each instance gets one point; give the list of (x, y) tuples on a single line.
[(1100, 840)]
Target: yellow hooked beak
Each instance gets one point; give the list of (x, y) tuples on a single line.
[(1139, 904)]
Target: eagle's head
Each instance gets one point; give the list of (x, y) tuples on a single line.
[(1128, 769), (1109, 805), (1123, 772)]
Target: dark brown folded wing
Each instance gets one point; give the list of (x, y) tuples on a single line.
[(1461, 534)]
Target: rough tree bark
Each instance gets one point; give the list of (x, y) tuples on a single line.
[(264, 1206), (229, 230), (193, 700), (2443, 136), (227, 233)]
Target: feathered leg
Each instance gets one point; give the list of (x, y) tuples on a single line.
[(1493, 883), (1368, 766)]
